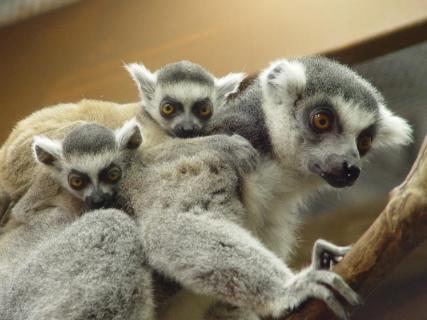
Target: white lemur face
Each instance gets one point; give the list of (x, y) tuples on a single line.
[(90, 160), (181, 97), (324, 118)]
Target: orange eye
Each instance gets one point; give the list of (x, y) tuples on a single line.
[(364, 144), (114, 174), (322, 121), (205, 110), (76, 182), (167, 109)]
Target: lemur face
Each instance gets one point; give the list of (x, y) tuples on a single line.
[(93, 179), (182, 97), (183, 109), (89, 162), (332, 118)]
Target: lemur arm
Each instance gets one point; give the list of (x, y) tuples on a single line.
[(212, 256)]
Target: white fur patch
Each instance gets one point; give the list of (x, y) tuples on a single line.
[(393, 130), (50, 146), (352, 117), (125, 133), (280, 91), (228, 84), (185, 92), (283, 80), (144, 79)]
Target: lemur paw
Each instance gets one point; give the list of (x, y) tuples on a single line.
[(326, 254), (236, 150), (245, 156), (319, 284)]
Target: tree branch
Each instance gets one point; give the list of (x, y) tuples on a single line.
[(400, 227)]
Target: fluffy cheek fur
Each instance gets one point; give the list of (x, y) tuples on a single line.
[(392, 130)]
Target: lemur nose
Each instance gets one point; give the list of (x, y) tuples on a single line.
[(185, 130), (336, 171), (97, 201), (186, 127), (350, 172)]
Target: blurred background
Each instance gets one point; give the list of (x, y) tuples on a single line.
[(55, 51)]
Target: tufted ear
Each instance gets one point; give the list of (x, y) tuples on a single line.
[(144, 79), (228, 85), (129, 136), (392, 129), (47, 151), (283, 81)]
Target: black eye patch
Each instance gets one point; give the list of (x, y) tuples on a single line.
[(177, 104), (365, 139), (78, 180), (105, 174), (200, 103), (80, 174), (202, 109), (316, 115)]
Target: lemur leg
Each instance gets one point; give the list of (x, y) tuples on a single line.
[(225, 311), (326, 254), (212, 256), (93, 269)]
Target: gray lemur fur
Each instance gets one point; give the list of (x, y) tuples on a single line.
[(195, 232), (191, 93), (87, 268), (214, 244)]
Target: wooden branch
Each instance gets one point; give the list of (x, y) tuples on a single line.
[(400, 227)]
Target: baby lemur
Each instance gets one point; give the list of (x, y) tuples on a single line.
[(181, 97), (88, 163), (311, 120)]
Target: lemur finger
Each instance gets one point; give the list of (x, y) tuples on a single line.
[(314, 290), (322, 245), (326, 254), (337, 283)]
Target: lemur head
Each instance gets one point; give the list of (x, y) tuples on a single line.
[(90, 159), (181, 97), (324, 118)]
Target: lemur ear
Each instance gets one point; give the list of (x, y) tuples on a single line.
[(228, 85), (47, 151), (129, 136), (392, 129), (283, 81), (144, 79)]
